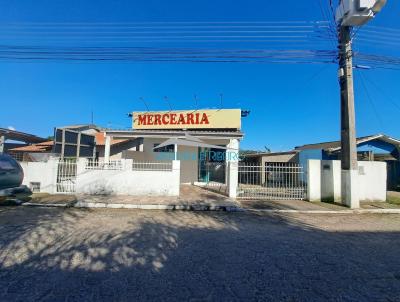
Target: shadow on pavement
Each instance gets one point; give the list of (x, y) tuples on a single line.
[(117, 255)]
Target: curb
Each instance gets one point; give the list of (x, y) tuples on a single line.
[(359, 211), (83, 204), (102, 205), (49, 205)]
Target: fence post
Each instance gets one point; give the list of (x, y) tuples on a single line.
[(233, 170), (337, 181), (128, 164), (80, 165), (176, 171), (314, 180)]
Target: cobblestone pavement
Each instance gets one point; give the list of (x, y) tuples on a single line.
[(53, 254)]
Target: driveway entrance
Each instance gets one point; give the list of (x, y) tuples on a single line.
[(273, 181)]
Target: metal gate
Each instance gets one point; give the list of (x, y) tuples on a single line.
[(66, 176), (273, 181)]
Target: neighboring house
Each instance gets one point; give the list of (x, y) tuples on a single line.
[(378, 147), (34, 152), (9, 139), (271, 157)]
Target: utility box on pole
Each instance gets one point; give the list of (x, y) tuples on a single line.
[(357, 12)]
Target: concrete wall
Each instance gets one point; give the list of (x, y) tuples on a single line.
[(128, 182), (324, 180), (43, 172), (372, 180), (123, 182), (189, 167), (305, 155)]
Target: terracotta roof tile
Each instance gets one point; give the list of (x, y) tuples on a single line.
[(101, 140), (41, 147)]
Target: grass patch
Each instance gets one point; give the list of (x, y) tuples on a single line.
[(393, 199)]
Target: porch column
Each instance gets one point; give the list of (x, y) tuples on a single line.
[(232, 161), (107, 148)]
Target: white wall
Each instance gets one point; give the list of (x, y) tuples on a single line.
[(314, 180), (125, 182), (128, 182), (324, 180), (43, 172), (372, 183)]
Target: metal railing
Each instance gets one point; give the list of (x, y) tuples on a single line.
[(116, 165), (151, 166), (273, 181)]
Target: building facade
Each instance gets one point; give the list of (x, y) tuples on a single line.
[(203, 141)]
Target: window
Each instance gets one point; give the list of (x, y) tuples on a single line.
[(35, 187), (169, 148)]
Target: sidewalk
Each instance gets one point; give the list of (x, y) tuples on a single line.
[(191, 198), (302, 206), (199, 199)]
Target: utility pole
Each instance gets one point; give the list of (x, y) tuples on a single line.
[(350, 13), (348, 131)]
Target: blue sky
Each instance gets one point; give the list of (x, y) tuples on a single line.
[(290, 104)]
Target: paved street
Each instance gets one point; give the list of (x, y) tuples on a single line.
[(50, 254)]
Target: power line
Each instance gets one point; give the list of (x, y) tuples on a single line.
[(371, 101), (388, 97)]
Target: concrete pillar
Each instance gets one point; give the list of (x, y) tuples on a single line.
[(81, 165), (337, 187), (233, 170), (2, 142), (349, 185), (107, 148), (314, 180), (128, 164), (176, 170), (232, 167)]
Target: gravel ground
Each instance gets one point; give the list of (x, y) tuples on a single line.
[(52, 254)]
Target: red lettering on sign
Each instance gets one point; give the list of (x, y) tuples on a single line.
[(165, 119), (204, 119), (142, 120), (181, 120), (190, 120), (172, 119), (193, 118), (157, 120)]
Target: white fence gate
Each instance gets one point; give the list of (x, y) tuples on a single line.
[(66, 176), (273, 181)]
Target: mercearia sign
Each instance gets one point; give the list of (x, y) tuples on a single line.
[(202, 119)]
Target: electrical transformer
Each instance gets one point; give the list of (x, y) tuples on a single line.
[(357, 12)]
